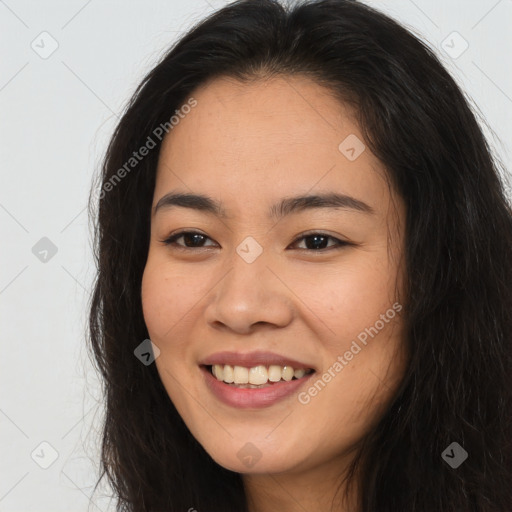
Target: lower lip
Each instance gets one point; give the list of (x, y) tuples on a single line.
[(252, 397)]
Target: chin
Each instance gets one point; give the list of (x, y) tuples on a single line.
[(250, 455), (264, 463)]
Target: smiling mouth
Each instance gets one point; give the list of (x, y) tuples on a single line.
[(257, 376)]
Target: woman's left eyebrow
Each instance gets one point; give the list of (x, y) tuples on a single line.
[(285, 207)]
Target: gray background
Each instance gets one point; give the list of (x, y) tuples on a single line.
[(57, 113)]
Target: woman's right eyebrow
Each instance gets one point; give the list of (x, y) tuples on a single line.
[(286, 206)]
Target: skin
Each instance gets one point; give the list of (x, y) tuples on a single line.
[(249, 145)]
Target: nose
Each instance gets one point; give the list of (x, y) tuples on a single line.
[(250, 295)]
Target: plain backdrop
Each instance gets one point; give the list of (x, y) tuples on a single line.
[(67, 69)]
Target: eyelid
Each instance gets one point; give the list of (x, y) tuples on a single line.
[(175, 236), (340, 243)]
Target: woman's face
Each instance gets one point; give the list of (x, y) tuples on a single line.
[(312, 285)]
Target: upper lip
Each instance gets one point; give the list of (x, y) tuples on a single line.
[(250, 359)]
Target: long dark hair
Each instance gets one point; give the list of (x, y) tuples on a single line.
[(457, 387)]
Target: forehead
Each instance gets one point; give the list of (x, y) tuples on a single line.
[(267, 138)]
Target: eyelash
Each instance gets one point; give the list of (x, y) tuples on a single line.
[(172, 239)]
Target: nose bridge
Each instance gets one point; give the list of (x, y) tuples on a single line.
[(250, 293), (249, 275)]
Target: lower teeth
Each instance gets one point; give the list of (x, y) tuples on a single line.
[(248, 386), (253, 386)]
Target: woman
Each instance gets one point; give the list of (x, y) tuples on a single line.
[(300, 211)]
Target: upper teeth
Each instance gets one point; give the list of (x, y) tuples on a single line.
[(257, 374)]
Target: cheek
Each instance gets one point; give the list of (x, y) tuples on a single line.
[(349, 298), (364, 329), (164, 300), (154, 303), (170, 301), (165, 306)]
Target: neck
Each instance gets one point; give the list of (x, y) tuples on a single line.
[(315, 489)]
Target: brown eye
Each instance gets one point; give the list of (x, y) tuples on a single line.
[(319, 242), (314, 242), (191, 240)]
